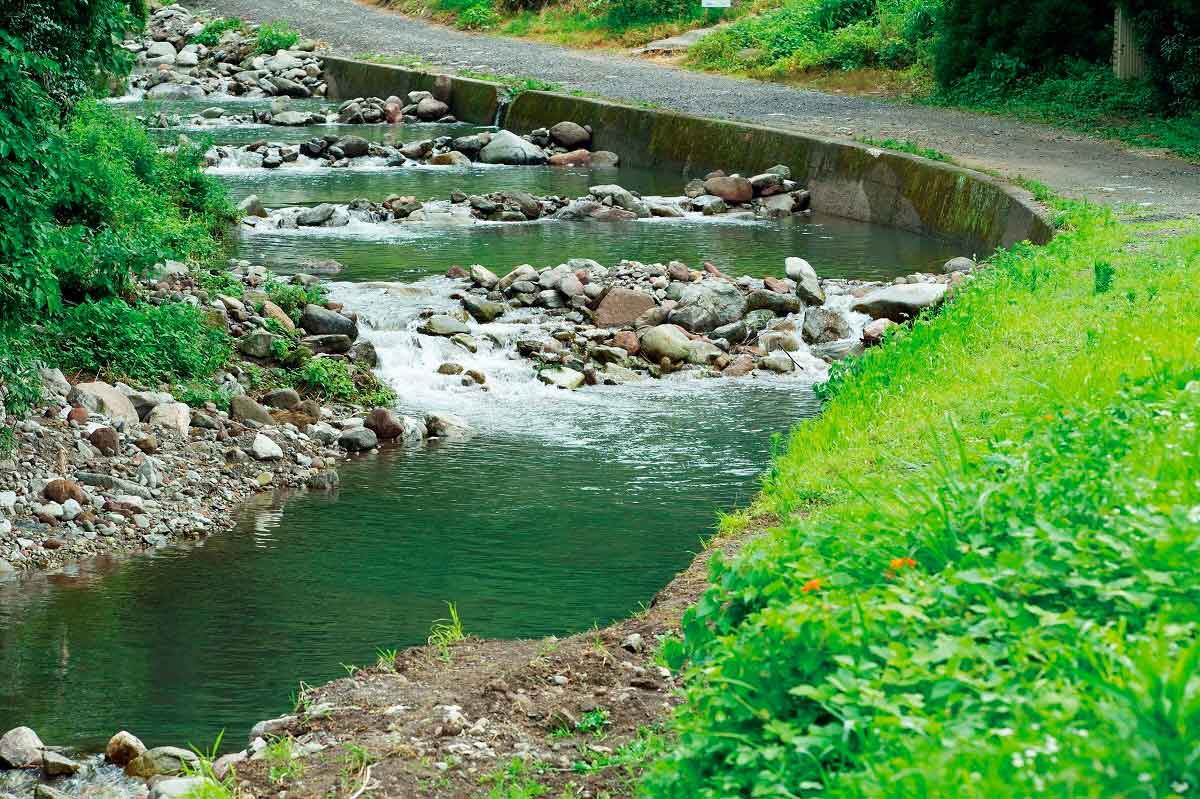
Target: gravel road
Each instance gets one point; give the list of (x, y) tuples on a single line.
[(1071, 163)]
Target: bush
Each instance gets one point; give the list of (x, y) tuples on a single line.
[(480, 16), (214, 29), (274, 36), (1169, 35), (147, 344)]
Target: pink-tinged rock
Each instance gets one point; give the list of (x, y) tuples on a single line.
[(622, 306), (393, 114), (731, 189), (777, 285), (384, 423), (627, 340), (741, 366), (122, 748), (104, 399), (573, 158), (875, 330), (77, 415)]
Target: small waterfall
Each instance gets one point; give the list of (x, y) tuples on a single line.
[(503, 101)]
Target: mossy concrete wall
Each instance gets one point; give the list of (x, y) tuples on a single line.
[(469, 100), (850, 180)]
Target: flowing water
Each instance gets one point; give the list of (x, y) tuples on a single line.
[(565, 509)]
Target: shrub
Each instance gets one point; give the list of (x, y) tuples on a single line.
[(292, 297), (274, 36), (480, 16), (214, 29), (144, 343), (1169, 35)]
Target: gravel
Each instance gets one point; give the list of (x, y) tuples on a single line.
[(1072, 163)]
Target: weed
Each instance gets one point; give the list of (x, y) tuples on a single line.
[(593, 722), (387, 658), (907, 146), (275, 36), (1102, 276), (283, 761), (446, 632)]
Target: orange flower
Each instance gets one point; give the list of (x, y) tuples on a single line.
[(812, 585), (902, 563)]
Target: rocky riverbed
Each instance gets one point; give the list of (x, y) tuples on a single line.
[(103, 467)]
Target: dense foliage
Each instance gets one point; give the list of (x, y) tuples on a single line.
[(1169, 35), (992, 590)]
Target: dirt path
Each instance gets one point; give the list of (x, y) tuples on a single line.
[(1072, 163)]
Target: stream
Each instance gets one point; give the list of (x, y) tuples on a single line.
[(566, 509)]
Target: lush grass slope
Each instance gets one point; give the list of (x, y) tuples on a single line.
[(986, 582)]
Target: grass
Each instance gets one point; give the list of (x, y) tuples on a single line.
[(446, 632), (283, 762), (980, 584), (907, 146)]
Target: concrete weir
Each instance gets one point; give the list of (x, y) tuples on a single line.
[(846, 179)]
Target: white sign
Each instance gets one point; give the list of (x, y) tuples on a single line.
[(714, 3)]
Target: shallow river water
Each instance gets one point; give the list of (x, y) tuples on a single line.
[(564, 511)]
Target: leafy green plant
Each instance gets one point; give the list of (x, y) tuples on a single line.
[(478, 17), (274, 36), (212, 787), (1102, 276), (907, 146), (593, 722), (386, 658), (283, 761), (214, 29), (517, 781)]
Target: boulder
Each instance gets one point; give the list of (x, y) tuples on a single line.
[(60, 490), (244, 409), (327, 344), (146, 401), (431, 108), (570, 136), (353, 146), (291, 119), (173, 416), (507, 147), (446, 426), (824, 325), (773, 301), (180, 788), (385, 424), (730, 188), (702, 353), (283, 398), (358, 439), (622, 306), (272, 311), (620, 197), (562, 377), (175, 91), (482, 310), (665, 341), (482, 276), (452, 158), (257, 343), (442, 325), (318, 321), (959, 264), (777, 361), (122, 748), (708, 304), (20, 747), (317, 215), (901, 303), (56, 765), (808, 285), (875, 330), (54, 381), (626, 340), (106, 440), (572, 158), (264, 449), (166, 760), (105, 400)]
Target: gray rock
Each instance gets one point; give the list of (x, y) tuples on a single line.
[(20, 747), (669, 341), (173, 416), (430, 108), (110, 483), (317, 215), (178, 788), (507, 147), (103, 399), (320, 321), (443, 325), (901, 303), (289, 87), (257, 343), (56, 765), (354, 146), (620, 197), (358, 439), (808, 285), (264, 449), (176, 91), (562, 377), (702, 352), (272, 727), (54, 382), (167, 760), (959, 264), (708, 304), (244, 409), (482, 310), (734, 332), (328, 344), (483, 276), (291, 119), (777, 361), (824, 325), (570, 135), (146, 401), (363, 352), (447, 427), (285, 398), (773, 301)]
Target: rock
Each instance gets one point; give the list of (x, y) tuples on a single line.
[(358, 439), (430, 108), (823, 325), (875, 330), (773, 301), (56, 765), (702, 352), (710, 205), (106, 440), (283, 398), (483, 311), (767, 183), (734, 332), (741, 366), (452, 158), (174, 416), (122, 748), (443, 325), (385, 424), (561, 377), (244, 409), (603, 158), (507, 147), (482, 276), (222, 765), (902, 302), (252, 206), (633, 643), (627, 340), (959, 264), (318, 214), (708, 304), (446, 426), (60, 490), (320, 321), (777, 361), (175, 91), (289, 87), (572, 158), (272, 311), (731, 189), (104, 399), (570, 136), (161, 53), (622, 306), (54, 382), (272, 728), (41, 791), (20, 747), (257, 343), (327, 344), (620, 197), (779, 205), (808, 285), (290, 119), (665, 341), (264, 449), (363, 352), (146, 401), (178, 788), (167, 760)]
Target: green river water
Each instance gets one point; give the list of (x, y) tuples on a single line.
[(564, 511)]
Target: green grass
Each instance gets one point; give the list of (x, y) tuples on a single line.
[(515, 84), (983, 584), (907, 146), (446, 632)]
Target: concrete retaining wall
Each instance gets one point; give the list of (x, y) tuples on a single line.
[(854, 181)]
